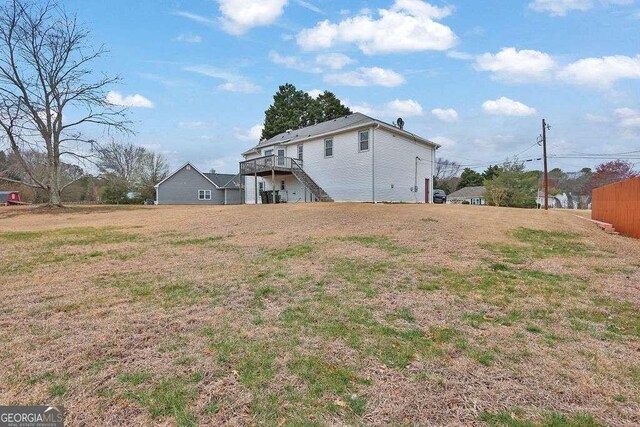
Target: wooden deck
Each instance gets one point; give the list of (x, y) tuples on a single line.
[(267, 165)]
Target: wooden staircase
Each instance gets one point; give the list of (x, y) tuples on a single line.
[(311, 185)]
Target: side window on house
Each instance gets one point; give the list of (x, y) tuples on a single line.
[(261, 186), (363, 140), (268, 152), (328, 147), (300, 152), (204, 194)]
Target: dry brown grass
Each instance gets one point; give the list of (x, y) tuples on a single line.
[(341, 314)]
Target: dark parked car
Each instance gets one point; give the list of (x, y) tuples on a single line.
[(439, 196)]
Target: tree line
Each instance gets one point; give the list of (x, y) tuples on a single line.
[(123, 173), (510, 184)]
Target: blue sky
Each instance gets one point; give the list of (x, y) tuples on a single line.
[(477, 77)]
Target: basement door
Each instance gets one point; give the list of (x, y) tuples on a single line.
[(426, 190)]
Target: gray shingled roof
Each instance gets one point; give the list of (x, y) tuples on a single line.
[(355, 119), (224, 179), (468, 192)]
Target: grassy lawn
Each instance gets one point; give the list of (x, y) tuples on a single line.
[(319, 314)]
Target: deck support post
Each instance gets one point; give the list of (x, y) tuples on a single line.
[(273, 182), (255, 186)]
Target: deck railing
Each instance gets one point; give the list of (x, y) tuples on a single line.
[(268, 163)]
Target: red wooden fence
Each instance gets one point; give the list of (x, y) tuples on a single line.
[(619, 204)]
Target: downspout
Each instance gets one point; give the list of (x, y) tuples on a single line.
[(415, 180), (433, 163), (373, 162)]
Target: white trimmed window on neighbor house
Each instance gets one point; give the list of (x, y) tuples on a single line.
[(363, 140), (204, 194), (268, 152), (300, 152), (328, 147)]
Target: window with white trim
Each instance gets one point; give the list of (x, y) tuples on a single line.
[(363, 140), (204, 194), (300, 151), (261, 186), (328, 147), (268, 152)]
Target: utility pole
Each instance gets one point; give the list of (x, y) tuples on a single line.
[(544, 155)]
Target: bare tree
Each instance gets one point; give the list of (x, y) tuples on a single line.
[(498, 195), (136, 168), (154, 169), (44, 72), (122, 160), (446, 169)]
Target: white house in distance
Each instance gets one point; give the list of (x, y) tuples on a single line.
[(349, 159)]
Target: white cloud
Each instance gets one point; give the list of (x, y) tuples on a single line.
[(444, 141), (392, 109), (363, 76), (406, 108), (133, 101), (515, 66), (192, 125), (446, 115), (628, 118), (252, 134), (456, 54), (239, 86), (334, 61), (312, 7), (239, 16), (293, 62), (233, 82), (596, 118), (601, 72), (408, 26), (196, 18), (507, 107), (189, 38), (314, 93), (562, 7)]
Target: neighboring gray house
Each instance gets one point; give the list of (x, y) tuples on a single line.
[(189, 186), (468, 196)]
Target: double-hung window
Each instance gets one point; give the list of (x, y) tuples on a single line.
[(204, 194), (363, 140), (300, 151), (328, 147)]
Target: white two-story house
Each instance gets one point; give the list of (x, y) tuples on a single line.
[(349, 159)]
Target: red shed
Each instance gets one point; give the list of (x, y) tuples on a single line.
[(10, 198)]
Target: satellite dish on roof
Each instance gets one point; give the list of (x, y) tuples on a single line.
[(400, 123)]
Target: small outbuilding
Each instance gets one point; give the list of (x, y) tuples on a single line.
[(468, 196), (10, 198), (188, 186)]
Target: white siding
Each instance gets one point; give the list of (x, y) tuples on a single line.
[(348, 177), (395, 162)]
